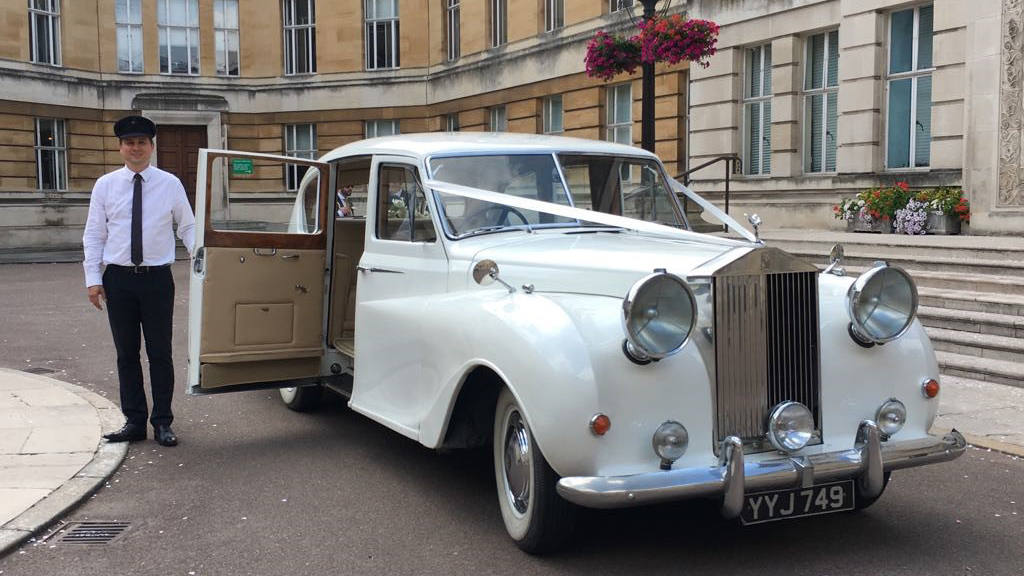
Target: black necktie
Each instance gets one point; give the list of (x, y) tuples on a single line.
[(137, 221)]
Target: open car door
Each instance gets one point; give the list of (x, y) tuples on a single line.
[(257, 279)]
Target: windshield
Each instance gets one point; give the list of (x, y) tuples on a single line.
[(532, 176), (630, 187)]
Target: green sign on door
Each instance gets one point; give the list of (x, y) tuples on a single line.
[(241, 166)]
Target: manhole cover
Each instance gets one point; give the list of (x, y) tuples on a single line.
[(89, 533), (38, 370)]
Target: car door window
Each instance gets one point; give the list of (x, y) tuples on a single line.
[(402, 209)]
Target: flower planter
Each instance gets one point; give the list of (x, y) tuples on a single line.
[(872, 226), (942, 223)]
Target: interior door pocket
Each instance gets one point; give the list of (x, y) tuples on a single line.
[(264, 323)]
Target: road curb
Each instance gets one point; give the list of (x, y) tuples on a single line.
[(75, 490), (985, 442)]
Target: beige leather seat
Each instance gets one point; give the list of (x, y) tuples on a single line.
[(349, 236)]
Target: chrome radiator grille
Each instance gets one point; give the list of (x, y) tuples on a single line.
[(766, 350)]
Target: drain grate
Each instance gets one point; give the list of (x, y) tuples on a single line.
[(92, 533), (38, 370)]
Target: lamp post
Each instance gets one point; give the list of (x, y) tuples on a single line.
[(647, 97)]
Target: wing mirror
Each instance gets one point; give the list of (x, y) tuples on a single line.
[(835, 258), (485, 273)]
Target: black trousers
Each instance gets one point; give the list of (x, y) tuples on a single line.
[(146, 301)]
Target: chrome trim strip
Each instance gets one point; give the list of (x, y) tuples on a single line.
[(869, 459)]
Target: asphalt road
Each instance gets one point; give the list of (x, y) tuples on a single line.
[(256, 489)]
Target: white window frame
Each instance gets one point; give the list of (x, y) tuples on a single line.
[(499, 22), (223, 33), (49, 11), (824, 92), (374, 22), (451, 122), (548, 115), (132, 27), (164, 30), (290, 34), (618, 5), (292, 174), (453, 28), (497, 119), (613, 128), (60, 153), (554, 15), (914, 74), (376, 128), (759, 100)]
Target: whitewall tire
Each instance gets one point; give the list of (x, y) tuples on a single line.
[(535, 516), (302, 399)]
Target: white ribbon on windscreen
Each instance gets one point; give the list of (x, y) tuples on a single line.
[(587, 215)]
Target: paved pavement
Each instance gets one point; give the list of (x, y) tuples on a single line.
[(51, 452)]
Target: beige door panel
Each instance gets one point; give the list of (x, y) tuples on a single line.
[(264, 308)]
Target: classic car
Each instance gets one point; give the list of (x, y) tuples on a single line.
[(547, 297)]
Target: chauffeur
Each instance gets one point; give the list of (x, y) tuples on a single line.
[(129, 248)]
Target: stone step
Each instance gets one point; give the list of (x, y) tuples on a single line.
[(970, 301), (894, 246), (972, 321), (957, 281), (984, 369), (863, 256), (986, 346)]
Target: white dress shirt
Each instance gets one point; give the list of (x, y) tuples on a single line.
[(108, 229)]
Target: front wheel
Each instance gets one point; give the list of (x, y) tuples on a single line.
[(535, 516), (302, 398)]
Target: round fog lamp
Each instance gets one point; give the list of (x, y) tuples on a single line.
[(670, 441), (790, 426), (891, 417)]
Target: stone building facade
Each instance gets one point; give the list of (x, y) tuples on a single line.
[(289, 76), (823, 98)]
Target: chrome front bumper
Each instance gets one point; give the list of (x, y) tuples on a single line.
[(733, 478)]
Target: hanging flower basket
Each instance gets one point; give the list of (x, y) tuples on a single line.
[(608, 56), (675, 39)]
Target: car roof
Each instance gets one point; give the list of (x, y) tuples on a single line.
[(430, 143)]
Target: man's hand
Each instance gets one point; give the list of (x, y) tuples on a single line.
[(97, 296)]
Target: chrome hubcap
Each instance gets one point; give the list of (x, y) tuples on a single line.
[(517, 463)]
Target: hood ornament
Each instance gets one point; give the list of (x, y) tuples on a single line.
[(755, 221)]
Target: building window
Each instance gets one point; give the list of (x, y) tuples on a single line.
[(909, 128), (375, 128), (44, 31), (178, 29), (620, 114), (299, 142), (552, 115), (497, 119), (499, 22), (299, 37), (381, 34), (451, 123), (225, 33), (757, 110), (453, 9), (616, 5), (821, 98), (554, 14), (128, 15), (51, 155)]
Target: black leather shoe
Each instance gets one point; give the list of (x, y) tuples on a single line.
[(127, 433), (164, 435)]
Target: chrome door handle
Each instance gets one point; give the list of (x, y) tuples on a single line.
[(289, 256), (362, 268)]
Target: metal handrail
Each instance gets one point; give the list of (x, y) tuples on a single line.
[(732, 161)]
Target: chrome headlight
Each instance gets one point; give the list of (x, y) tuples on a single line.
[(882, 304), (790, 426), (658, 315), (891, 416), (670, 441)]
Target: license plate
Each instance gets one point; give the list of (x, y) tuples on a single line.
[(786, 504)]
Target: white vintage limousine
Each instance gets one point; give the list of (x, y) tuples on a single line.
[(547, 297)]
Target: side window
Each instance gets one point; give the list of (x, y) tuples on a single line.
[(402, 209), (351, 190)]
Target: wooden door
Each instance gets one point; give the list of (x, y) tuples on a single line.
[(177, 151)]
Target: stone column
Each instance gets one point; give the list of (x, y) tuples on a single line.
[(787, 82), (861, 65)]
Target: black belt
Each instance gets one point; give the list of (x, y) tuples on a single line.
[(138, 269)]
